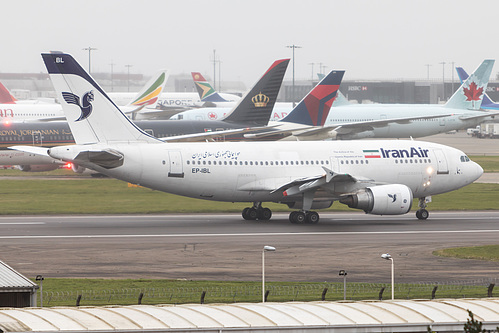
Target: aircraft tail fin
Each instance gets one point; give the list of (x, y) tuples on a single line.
[(255, 107), (314, 108), (149, 94), (469, 96), (5, 96), (91, 114), (487, 103), (206, 92)]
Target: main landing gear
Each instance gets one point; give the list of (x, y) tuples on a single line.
[(304, 217), (422, 213), (257, 212)]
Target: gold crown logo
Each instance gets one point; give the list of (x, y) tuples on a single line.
[(260, 100)]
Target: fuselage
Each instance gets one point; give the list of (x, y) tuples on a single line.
[(252, 171), (169, 99)]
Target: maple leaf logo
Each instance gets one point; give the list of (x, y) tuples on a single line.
[(473, 93)]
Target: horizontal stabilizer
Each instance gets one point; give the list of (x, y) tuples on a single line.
[(32, 150), (104, 158)]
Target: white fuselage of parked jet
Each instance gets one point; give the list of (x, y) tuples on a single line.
[(170, 99), (30, 112)]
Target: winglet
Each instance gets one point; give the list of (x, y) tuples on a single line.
[(206, 92), (314, 108)]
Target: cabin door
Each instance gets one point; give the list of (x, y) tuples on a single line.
[(176, 167), (442, 167)]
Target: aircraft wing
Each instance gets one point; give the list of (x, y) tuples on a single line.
[(345, 128), (31, 150), (309, 183), (481, 115), (196, 137)]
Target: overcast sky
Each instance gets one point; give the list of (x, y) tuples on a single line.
[(370, 39)]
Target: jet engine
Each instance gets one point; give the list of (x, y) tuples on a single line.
[(38, 167), (77, 169), (395, 199)]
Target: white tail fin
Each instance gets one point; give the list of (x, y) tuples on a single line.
[(91, 114), (470, 95), (149, 94)]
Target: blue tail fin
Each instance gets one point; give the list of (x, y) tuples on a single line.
[(206, 92)]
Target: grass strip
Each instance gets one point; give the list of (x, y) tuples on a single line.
[(486, 252)]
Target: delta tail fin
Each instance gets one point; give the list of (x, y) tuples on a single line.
[(314, 108), (470, 94), (206, 92), (5, 96), (149, 94), (255, 107), (91, 114), (487, 103)]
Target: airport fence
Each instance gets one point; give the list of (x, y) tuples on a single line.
[(275, 293)]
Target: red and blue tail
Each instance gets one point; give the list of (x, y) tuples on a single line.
[(314, 108)]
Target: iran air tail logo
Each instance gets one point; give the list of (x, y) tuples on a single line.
[(86, 103)]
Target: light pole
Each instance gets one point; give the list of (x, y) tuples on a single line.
[(428, 71), (293, 47), (89, 49), (128, 77), (389, 257), (40, 278), (344, 274), (443, 76), (265, 249)]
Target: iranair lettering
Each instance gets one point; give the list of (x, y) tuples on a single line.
[(401, 153)]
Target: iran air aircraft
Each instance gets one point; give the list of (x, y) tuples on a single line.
[(378, 177), (143, 102)]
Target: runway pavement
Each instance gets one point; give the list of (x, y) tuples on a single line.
[(225, 247)]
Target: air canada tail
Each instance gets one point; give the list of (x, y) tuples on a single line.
[(149, 94), (256, 106), (206, 92), (314, 108), (487, 103), (91, 115), (5, 96), (470, 94)]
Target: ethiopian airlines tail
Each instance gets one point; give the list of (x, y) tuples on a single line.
[(149, 94), (91, 115), (206, 92), (314, 108), (470, 95), (5, 96), (487, 103)]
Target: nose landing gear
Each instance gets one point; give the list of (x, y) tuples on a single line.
[(422, 213)]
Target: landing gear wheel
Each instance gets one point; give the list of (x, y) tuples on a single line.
[(292, 217), (422, 214), (252, 214), (264, 214), (300, 217), (312, 217), (246, 213)]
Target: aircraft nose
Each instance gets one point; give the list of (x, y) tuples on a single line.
[(478, 171)]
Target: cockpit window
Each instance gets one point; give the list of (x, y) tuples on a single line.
[(465, 158)]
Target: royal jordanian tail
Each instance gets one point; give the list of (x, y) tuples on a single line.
[(149, 94), (87, 107), (470, 95), (5, 96), (314, 108), (206, 92), (256, 106)]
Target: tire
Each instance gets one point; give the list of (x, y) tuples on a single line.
[(300, 217), (252, 214), (424, 214), (292, 217), (245, 213), (264, 214), (312, 217)]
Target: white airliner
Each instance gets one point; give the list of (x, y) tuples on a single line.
[(379, 177), (143, 102)]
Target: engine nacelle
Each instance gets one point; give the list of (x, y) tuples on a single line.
[(77, 169), (315, 204), (38, 167), (395, 199)]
